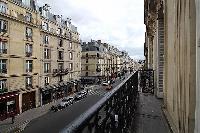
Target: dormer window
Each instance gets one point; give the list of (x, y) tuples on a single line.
[(45, 26), (3, 7), (28, 17)]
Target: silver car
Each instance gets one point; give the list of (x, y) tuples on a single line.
[(67, 101)]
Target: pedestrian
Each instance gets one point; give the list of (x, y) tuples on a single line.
[(13, 119)]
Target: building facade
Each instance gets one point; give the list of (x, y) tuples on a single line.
[(171, 49), (39, 52)]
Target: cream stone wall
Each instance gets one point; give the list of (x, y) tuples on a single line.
[(180, 66)]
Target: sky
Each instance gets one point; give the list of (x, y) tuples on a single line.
[(117, 22)]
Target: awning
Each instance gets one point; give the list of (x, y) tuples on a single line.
[(7, 95)]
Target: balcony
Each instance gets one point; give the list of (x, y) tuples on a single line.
[(3, 51), (3, 71), (57, 72), (47, 71)]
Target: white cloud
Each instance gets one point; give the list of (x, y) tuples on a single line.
[(118, 22)]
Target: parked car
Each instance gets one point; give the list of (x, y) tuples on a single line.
[(67, 101), (80, 95), (107, 86)]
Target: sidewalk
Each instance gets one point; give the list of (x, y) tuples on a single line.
[(23, 119), (149, 117)]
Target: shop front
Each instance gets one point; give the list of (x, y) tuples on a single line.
[(46, 95), (9, 105), (28, 101)]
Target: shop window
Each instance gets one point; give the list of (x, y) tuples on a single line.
[(11, 106), (3, 108)]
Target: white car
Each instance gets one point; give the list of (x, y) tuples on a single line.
[(67, 101)]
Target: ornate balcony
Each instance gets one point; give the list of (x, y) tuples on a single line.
[(28, 54), (57, 72)]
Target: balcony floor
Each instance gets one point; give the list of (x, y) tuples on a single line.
[(150, 117)]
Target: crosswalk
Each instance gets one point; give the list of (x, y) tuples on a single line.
[(100, 92)]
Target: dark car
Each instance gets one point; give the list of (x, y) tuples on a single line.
[(80, 95)]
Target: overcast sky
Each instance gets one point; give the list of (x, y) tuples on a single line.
[(117, 22)]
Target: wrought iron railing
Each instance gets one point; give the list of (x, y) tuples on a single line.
[(114, 113)]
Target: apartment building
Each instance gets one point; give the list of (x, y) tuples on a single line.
[(61, 53), (19, 57), (40, 55)]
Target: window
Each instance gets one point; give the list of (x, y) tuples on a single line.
[(46, 67), (3, 25), (47, 53), (70, 56), (60, 42), (86, 74), (29, 66), (45, 13), (86, 55), (46, 39), (29, 33), (86, 60), (71, 66), (60, 66), (3, 85), (3, 49), (86, 67), (60, 55), (29, 49), (28, 82), (45, 26), (3, 67), (70, 44), (3, 7), (28, 17), (46, 80), (59, 31), (97, 54)]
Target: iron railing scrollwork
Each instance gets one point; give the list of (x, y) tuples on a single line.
[(114, 113)]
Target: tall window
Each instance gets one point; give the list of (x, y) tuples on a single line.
[(86, 74), (3, 49), (60, 55), (86, 67), (3, 7), (70, 44), (59, 31), (46, 53), (45, 26), (3, 67), (28, 17), (60, 42), (46, 80), (29, 33), (71, 66), (29, 49), (28, 82), (86, 55), (60, 66), (29, 66), (46, 39), (86, 60), (70, 56), (46, 67), (3, 85), (3, 25)]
